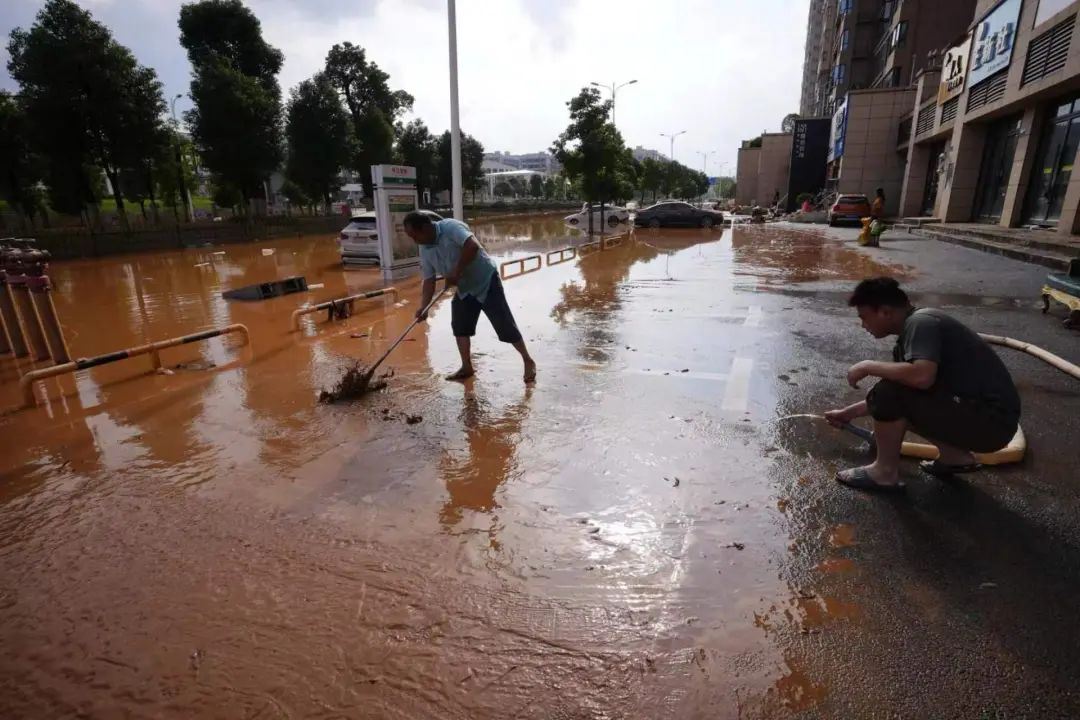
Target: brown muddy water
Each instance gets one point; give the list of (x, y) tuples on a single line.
[(214, 543)]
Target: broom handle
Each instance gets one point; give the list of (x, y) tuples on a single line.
[(371, 370)]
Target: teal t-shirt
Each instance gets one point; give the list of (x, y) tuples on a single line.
[(442, 257)]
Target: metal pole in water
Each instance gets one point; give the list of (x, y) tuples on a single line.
[(455, 125)]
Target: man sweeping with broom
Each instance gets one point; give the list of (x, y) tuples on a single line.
[(449, 248)]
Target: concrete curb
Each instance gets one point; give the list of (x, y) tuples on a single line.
[(1054, 260)]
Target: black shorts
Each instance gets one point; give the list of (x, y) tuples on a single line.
[(938, 415), (465, 311)]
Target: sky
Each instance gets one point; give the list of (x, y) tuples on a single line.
[(722, 70)]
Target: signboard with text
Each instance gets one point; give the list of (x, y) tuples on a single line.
[(954, 68), (839, 131), (809, 150), (395, 197), (992, 41)]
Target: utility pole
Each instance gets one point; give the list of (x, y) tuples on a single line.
[(180, 161), (614, 89), (455, 126)]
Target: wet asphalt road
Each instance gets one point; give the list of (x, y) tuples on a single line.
[(637, 536), (969, 590)]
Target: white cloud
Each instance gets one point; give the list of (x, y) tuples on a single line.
[(723, 70)]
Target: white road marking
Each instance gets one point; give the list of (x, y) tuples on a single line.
[(737, 392), (753, 316)]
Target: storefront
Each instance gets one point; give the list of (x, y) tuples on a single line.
[(933, 178), (1050, 174), (997, 159)]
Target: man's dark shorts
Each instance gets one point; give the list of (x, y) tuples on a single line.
[(937, 415), (465, 311)]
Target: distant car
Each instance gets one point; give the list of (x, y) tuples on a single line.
[(613, 215), (359, 240), (677, 214), (849, 208)]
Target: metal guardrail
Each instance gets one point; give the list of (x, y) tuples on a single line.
[(561, 255), (589, 247), (520, 262), (26, 382), (331, 306), (611, 242)]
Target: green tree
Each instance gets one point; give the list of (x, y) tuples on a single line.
[(536, 186), (472, 161), (167, 172), (651, 178), (21, 169), (549, 188), (317, 131), (372, 105), (89, 102), (416, 147), (224, 194), (503, 189), (295, 195), (236, 120), (591, 150)]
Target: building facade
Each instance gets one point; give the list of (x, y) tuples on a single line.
[(763, 170), (541, 162)]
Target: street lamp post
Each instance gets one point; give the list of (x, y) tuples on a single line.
[(185, 196), (705, 159), (455, 124), (672, 136), (614, 89)]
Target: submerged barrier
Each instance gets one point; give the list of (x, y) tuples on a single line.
[(335, 307), (589, 247), (611, 241), (26, 382), (521, 264), (561, 255)]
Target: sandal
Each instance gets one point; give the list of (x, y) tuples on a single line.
[(943, 470), (859, 479)]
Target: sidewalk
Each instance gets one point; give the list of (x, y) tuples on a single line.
[(1043, 247)]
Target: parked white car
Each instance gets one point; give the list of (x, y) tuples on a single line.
[(613, 215), (359, 240)]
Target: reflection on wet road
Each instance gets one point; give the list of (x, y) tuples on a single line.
[(609, 543)]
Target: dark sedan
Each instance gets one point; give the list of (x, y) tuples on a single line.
[(677, 214)]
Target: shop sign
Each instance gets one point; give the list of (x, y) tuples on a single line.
[(992, 44), (953, 71), (839, 131)]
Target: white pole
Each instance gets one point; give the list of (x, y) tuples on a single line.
[(455, 126)]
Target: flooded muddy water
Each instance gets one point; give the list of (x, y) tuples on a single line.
[(609, 542)]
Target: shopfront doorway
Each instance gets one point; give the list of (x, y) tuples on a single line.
[(997, 162), (933, 177), (1050, 176)]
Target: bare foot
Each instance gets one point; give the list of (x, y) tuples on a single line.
[(530, 371), (462, 374)]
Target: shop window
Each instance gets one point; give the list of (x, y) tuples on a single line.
[(845, 39)]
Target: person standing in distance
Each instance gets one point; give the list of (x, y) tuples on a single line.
[(449, 248)]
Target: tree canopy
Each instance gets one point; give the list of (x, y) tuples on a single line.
[(89, 105), (372, 105), (317, 131), (236, 120), (591, 150), (20, 168)]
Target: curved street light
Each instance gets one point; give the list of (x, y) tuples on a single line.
[(672, 136), (613, 88)]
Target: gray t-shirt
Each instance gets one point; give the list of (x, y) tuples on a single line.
[(967, 366)]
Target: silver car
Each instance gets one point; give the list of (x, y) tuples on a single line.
[(359, 240)]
